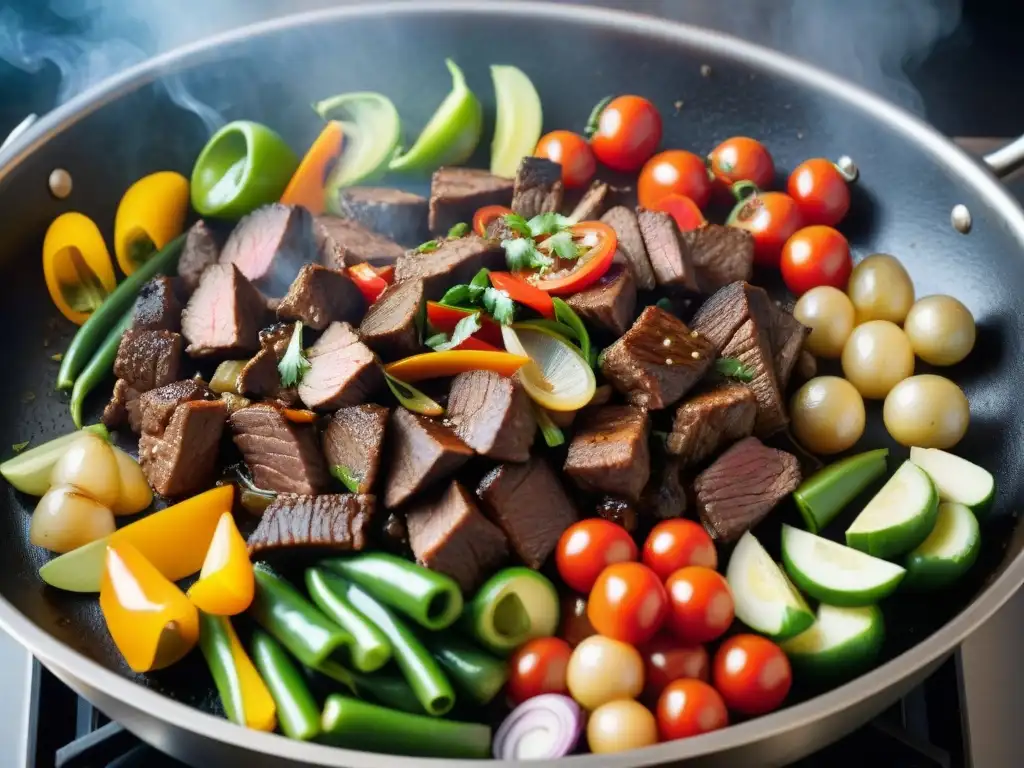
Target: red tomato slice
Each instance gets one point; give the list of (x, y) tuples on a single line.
[(443, 318), (521, 291), (486, 215), (588, 268)]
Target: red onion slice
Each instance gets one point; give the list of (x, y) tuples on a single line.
[(541, 728)]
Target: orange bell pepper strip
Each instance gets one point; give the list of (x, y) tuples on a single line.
[(371, 282), (436, 365), (244, 695), (299, 415), (443, 318), (521, 291), (150, 215), (151, 621), (308, 184), (226, 583), (77, 267)]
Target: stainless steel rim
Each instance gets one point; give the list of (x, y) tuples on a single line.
[(53, 652)]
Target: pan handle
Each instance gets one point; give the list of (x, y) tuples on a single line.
[(1007, 158), (19, 129)]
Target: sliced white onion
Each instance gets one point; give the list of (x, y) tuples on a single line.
[(557, 377), (66, 519), (89, 465), (135, 493), (542, 728)]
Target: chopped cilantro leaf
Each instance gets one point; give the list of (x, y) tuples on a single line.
[(518, 224), (293, 365), (465, 328), (548, 224), (480, 281), (436, 339), (499, 306), (521, 254), (347, 477), (458, 230), (562, 246), (457, 296), (428, 247)]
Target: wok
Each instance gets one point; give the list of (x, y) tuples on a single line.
[(911, 178)]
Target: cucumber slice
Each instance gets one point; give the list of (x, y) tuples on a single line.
[(835, 574), (513, 606), (30, 471), (899, 517), (765, 600), (518, 122), (842, 642), (948, 552), (956, 479)]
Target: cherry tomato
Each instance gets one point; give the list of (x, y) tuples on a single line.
[(820, 190), (689, 708), (628, 603), (677, 543), (588, 547), (484, 216), (701, 604), (742, 159), (816, 256), (752, 674), (674, 171), (666, 659), (686, 213), (628, 133), (538, 667), (575, 627), (772, 218), (572, 152)]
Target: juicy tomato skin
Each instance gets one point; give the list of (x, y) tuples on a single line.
[(820, 190), (686, 212), (677, 543), (628, 603), (666, 659), (701, 604), (538, 667), (628, 133), (588, 547), (742, 159), (674, 171), (689, 708), (752, 673), (815, 256), (573, 153), (772, 218)]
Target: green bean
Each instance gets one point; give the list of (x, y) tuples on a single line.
[(472, 669), (370, 649), (391, 691), (297, 710), (99, 366)]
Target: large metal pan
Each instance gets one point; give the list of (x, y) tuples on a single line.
[(911, 178)]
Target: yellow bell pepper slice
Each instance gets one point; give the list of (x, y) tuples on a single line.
[(152, 622), (150, 215), (307, 185), (77, 267), (246, 698), (226, 582), (435, 365)]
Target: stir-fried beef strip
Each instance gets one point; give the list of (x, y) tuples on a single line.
[(737, 321), (282, 456), (455, 261), (665, 494), (158, 405), (344, 242), (609, 452), (720, 255), (342, 370), (123, 407), (528, 502), (182, 459), (354, 439), (457, 193), (260, 377), (390, 326), (201, 249), (157, 307), (538, 187), (618, 511), (658, 360), (631, 248), (742, 486), (320, 296), (224, 316), (145, 360), (450, 535), (610, 302), (401, 216), (711, 420), (670, 258), (492, 414), (787, 336), (341, 522), (270, 245), (593, 202), (421, 453)]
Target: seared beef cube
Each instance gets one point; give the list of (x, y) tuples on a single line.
[(422, 452), (341, 522), (457, 193), (592, 204), (157, 307), (389, 327), (402, 216), (538, 187), (618, 511), (737, 320), (354, 439), (281, 455), (710, 421), (492, 414), (742, 486), (224, 315), (270, 245), (658, 360), (260, 377), (320, 296), (787, 336), (631, 251), (721, 255), (450, 536), (610, 302), (157, 406), (670, 258), (344, 242), (529, 504), (148, 359), (182, 460), (665, 496), (455, 261), (342, 370), (123, 407), (609, 451), (276, 337), (201, 249)]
